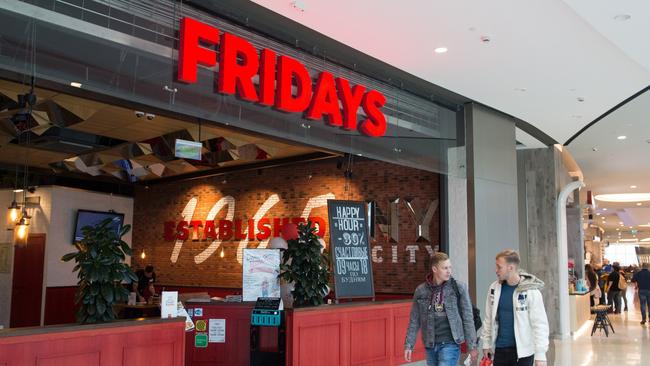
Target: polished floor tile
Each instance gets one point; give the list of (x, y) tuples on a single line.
[(630, 345)]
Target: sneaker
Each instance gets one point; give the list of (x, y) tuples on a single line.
[(642, 322)]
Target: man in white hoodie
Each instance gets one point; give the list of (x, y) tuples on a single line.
[(515, 330)]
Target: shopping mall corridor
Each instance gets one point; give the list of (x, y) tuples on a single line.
[(630, 345)]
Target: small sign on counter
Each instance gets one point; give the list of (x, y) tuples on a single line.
[(217, 331)]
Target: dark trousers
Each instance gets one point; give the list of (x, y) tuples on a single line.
[(614, 299), (508, 357)]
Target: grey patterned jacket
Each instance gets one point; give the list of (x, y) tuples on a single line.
[(462, 327)]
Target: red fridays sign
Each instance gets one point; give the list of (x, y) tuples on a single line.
[(239, 63)]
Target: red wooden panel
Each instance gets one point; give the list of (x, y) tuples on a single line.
[(401, 321), (26, 294), (83, 359), (75, 345), (369, 341), (59, 305), (319, 344), (161, 354)]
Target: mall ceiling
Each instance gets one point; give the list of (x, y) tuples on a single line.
[(71, 135), (556, 64)]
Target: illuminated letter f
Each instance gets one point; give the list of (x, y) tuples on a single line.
[(191, 54)]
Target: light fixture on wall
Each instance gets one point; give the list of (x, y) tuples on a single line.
[(21, 231), (143, 255), (13, 213)]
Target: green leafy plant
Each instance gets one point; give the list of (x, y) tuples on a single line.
[(100, 261), (306, 266)]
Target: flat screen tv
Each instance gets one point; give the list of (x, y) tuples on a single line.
[(92, 218)]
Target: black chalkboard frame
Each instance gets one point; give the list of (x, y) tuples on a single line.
[(331, 204)]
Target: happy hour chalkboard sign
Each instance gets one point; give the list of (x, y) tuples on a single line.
[(350, 250)]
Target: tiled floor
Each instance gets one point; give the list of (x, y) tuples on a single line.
[(630, 345)]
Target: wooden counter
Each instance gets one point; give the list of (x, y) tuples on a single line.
[(350, 334), (580, 310), (132, 342)]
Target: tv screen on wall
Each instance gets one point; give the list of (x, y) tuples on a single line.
[(92, 218)]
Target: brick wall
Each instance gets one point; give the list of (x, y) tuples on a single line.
[(397, 268)]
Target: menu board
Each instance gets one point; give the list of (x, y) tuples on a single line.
[(348, 224)]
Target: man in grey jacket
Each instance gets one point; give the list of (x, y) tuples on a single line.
[(445, 319)]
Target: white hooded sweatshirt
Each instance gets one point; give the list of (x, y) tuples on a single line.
[(531, 324)]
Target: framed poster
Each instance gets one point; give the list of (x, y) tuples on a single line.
[(5, 257), (260, 278), (350, 249)]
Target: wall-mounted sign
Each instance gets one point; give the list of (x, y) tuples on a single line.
[(350, 249), (268, 79), (233, 229)]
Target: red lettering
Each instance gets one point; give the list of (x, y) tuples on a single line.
[(267, 77), (277, 227), (264, 228), (321, 223), (182, 233), (351, 100), (375, 124), (288, 71), (208, 230), (251, 229), (239, 235), (225, 229), (234, 75), (191, 54), (325, 101), (195, 225), (170, 232)]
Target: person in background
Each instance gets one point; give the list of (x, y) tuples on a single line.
[(592, 283), (515, 329), (602, 276), (613, 291), (144, 287), (444, 319), (623, 290), (607, 268), (641, 280)]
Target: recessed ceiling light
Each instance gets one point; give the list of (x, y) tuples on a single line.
[(620, 222), (622, 137), (624, 197), (631, 227), (18, 190), (441, 50), (633, 187), (604, 209), (617, 229), (597, 213), (75, 84), (638, 203), (622, 17)]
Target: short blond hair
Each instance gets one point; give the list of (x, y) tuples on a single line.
[(510, 256), (437, 258)]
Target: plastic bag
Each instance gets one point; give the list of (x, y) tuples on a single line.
[(485, 361)]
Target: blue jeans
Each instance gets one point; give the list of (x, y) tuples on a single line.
[(644, 297), (443, 354)]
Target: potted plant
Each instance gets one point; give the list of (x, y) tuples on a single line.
[(100, 262), (306, 265)]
